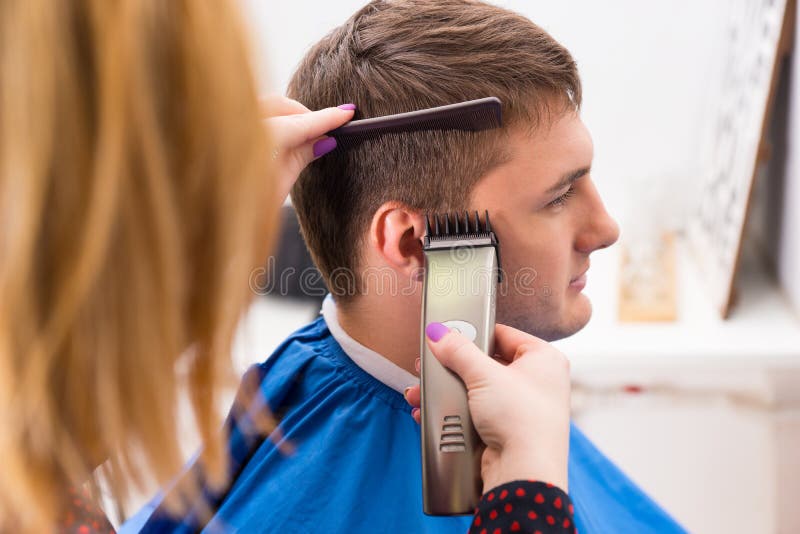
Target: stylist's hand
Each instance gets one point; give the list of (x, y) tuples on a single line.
[(519, 402), (298, 136)]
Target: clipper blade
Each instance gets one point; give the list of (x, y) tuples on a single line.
[(443, 227), (451, 230)]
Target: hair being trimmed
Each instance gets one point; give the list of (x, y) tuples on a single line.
[(403, 55)]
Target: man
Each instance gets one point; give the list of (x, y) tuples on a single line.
[(337, 385)]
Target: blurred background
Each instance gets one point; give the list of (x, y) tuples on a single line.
[(702, 411)]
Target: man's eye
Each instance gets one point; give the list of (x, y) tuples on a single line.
[(560, 201)]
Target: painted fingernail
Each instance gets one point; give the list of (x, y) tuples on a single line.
[(417, 364), (323, 146), (414, 412), (435, 331), (405, 392), (347, 107)]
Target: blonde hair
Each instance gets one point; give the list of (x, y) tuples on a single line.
[(133, 186)]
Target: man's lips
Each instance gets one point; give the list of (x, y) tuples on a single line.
[(579, 282)]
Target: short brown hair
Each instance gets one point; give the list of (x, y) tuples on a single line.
[(397, 56)]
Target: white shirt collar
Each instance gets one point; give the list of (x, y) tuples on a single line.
[(367, 359)]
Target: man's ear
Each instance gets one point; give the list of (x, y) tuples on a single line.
[(396, 235)]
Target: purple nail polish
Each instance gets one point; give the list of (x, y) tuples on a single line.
[(323, 146), (347, 107), (435, 331)]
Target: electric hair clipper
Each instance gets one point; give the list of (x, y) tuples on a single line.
[(462, 271)]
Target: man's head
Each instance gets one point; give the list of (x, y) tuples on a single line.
[(363, 209)]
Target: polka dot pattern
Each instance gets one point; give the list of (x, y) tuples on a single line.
[(524, 506), (83, 516)]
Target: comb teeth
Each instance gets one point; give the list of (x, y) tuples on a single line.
[(470, 116)]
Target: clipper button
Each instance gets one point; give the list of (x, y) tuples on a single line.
[(464, 328)]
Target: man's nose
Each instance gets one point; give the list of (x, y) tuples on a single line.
[(600, 230)]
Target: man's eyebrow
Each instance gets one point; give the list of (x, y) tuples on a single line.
[(567, 179)]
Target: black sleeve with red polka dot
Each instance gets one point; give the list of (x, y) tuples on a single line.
[(83, 515), (524, 506)]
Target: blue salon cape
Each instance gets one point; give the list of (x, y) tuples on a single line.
[(357, 466)]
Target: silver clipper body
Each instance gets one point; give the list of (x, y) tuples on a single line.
[(460, 286)]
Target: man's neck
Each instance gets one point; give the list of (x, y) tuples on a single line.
[(388, 325)]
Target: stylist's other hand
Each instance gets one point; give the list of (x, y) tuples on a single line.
[(519, 401), (298, 135)]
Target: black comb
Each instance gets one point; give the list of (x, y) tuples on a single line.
[(452, 230), (470, 116)]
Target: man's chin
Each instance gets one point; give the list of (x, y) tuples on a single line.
[(582, 314), (552, 326), (577, 319)]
